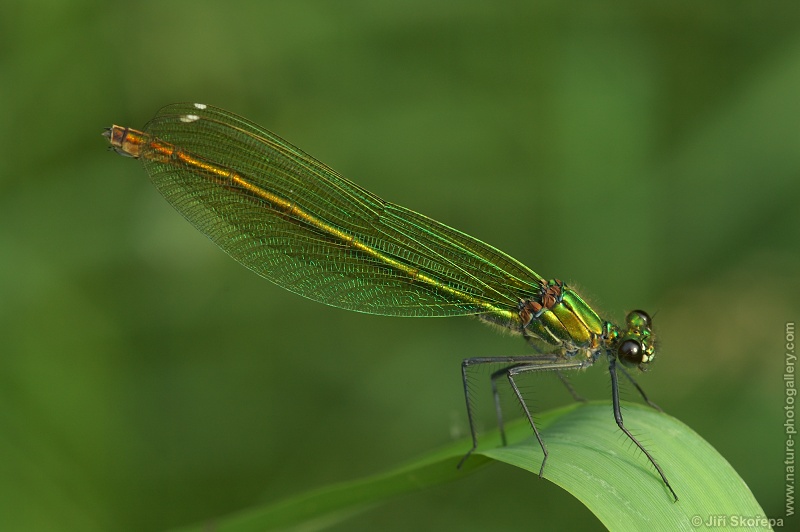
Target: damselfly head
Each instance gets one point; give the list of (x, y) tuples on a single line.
[(637, 345)]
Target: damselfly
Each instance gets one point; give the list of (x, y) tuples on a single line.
[(291, 219)]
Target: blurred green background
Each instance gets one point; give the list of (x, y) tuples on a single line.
[(648, 153)]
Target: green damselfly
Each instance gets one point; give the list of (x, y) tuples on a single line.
[(293, 220)]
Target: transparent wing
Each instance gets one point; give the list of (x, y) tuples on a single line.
[(306, 228)]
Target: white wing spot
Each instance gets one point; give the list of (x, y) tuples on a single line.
[(189, 118), (200, 105)]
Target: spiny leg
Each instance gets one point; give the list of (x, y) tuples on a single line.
[(575, 395), (639, 388), (612, 369), (539, 365), (497, 408), (496, 395), (540, 362), (464, 365), (511, 373)]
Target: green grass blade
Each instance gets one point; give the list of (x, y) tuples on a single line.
[(593, 460), (589, 457)]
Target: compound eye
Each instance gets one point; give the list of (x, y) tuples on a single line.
[(630, 351), (639, 319)]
